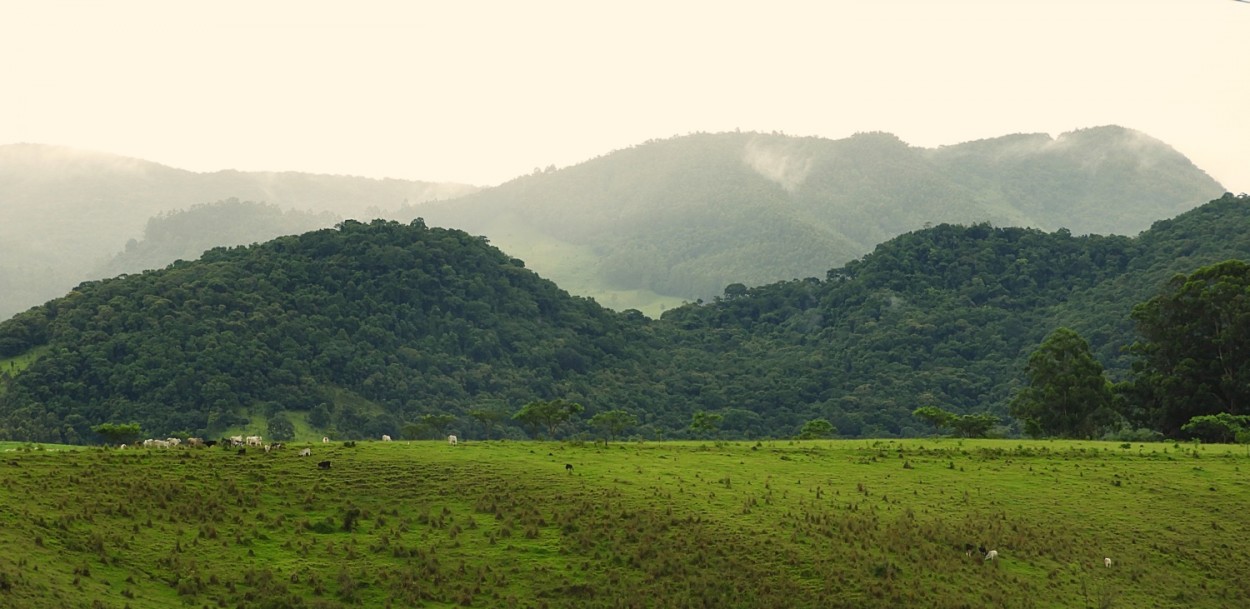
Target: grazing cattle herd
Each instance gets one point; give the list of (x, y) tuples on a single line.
[(242, 443)]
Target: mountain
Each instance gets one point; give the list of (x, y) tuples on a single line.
[(684, 217), (368, 328), (67, 211)]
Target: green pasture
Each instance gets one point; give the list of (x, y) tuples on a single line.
[(750, 524)]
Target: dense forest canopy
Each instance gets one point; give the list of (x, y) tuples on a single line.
[(405, 329)]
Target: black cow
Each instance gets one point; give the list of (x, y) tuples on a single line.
[(568, 467), (324, 465)]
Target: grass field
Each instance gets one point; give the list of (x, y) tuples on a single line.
[(504, 524)]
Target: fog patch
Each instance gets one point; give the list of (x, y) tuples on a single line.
[(778, 161)]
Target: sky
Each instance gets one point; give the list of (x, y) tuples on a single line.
[(482, 92)]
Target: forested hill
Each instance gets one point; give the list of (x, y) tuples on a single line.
[(372, 328), (366, 327), (686, 216)]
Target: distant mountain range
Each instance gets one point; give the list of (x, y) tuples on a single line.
[(687, 216), (67, 212), (647, 227)]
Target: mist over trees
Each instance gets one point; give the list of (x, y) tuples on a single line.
[(686, 216)]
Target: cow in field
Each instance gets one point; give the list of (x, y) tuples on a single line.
[(325, 439), (307, 452), (386, 438), (452, 440), (324, 465), (991, 555)]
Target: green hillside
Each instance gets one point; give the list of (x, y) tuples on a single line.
[(854, 524)]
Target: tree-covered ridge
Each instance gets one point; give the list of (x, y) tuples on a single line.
[(411, 319), (941, 316)]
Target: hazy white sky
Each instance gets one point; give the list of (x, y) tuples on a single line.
[(481, 92)]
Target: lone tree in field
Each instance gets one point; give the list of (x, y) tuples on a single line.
[(490, 417), (281, 428), (973, 425), (817, 428), (1222, 427), (1194, 356), (966, 426), (1067, 394), (613, 422), (704, 423), (116, 433), (549, 415), (938, 418), (428, 426)]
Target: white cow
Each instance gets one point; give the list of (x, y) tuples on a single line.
[(1106, 561), (991, 555), (386, 438), (254, 441), (451, 440), (236, 440), (307, 452), (325, 440), (173, 441)]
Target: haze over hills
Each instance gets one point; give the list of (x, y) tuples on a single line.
[(67, 211), (647, 227), (685, 217)]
